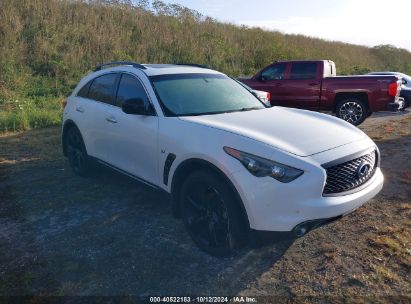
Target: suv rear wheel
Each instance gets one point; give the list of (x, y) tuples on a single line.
[(210, 213), (76, 152), (352, 110)]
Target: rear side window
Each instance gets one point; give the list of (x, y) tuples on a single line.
[(102, 88), (303, 70), (130, 89), (274, 72)]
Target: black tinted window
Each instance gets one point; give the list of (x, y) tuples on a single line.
[(202, 94), (102, 88), (130, 88), (84, 90), (303, 70), (274, 72)]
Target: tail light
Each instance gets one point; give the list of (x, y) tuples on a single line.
[(393, 89), (64, 103), (268, 96)]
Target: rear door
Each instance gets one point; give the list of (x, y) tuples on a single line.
[(271, 79), (94, 105), (303, 86), (132, 140)]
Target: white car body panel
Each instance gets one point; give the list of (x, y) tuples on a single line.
[(301, 139), (281, 128), (132, 144)]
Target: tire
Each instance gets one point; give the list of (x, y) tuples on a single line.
[(352, 110), (407, 102), (76, 152), (211, 214)]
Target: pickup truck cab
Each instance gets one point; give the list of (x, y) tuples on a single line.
[(313, 85)]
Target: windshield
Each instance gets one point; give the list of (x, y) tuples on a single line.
[(200, 94)]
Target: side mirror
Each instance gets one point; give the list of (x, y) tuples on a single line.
[(137, 106), (404, 81)]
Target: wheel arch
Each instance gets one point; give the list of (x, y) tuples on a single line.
[(68, 124), (193, 164), (340, 96)]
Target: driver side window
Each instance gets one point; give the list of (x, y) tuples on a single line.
[(274, 72), (130, 89)]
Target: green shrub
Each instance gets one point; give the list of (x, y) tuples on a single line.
[(19, 115)]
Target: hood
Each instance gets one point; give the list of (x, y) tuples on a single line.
[(295, 131)]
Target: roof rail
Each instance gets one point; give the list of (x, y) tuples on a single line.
[(133, 64), (194, 65)]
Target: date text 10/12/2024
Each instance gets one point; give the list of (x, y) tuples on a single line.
[(208, 299)]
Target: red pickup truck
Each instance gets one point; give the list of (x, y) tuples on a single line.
[(313, 85)]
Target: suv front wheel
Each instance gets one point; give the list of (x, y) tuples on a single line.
[(211, 214)]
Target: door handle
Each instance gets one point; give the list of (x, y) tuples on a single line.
[(111, 119), (79, 109), (312, 84)]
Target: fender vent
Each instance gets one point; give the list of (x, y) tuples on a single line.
[(167, 166)]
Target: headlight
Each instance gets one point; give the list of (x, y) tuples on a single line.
[(262, 167)]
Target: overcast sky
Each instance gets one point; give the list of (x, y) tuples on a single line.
[(365, 22)]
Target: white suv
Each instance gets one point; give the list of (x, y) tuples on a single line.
[(232, 165)]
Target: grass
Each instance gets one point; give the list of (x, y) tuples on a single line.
[(383, 274), (395, 244), (26, 114)]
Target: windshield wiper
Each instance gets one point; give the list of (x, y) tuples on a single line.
[(249, 109), (221, 112)]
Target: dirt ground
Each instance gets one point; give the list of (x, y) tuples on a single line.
[(109, 235)]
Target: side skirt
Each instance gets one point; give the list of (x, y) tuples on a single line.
[(139, 179)]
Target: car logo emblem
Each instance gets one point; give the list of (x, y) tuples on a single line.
[(363, 169)]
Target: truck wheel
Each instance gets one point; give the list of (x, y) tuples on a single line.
[(210, 213), (352, 110)]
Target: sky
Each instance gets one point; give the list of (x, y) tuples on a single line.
[(364, 22)]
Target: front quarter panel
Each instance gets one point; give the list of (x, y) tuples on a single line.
[(188, 140)]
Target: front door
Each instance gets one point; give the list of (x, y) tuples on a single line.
[(133, 139), (271, 80)]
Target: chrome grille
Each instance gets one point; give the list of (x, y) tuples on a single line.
[(347, 176)]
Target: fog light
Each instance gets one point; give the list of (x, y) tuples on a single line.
[(300, 230)]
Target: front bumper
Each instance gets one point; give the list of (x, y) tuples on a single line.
[(398, 105), (272, 206)]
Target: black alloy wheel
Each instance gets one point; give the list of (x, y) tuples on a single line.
[(210, 214)]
